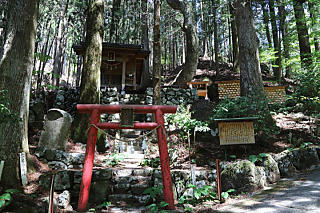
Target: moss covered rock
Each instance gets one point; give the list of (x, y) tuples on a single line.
[(243, 176), (271, 169)]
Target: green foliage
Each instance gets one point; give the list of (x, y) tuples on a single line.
[(248, 107), (201, 194), (182, 120), (226, 194), (114, 159), (152, 162), (42, 57), (6, 115), (267, 55), (307, 90), (257, 158), (6, 198), (306, 144), (154, 192), (105, 204)]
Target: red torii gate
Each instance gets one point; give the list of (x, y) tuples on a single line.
[(96, 110)]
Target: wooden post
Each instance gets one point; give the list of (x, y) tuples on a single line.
[(88, 162), (134, 73), (1, 168), (123, 79), (23, 168), (164, 161)]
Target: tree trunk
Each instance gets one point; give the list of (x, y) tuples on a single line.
[(145, 78), (114, 19), (250, 73), (276, 43), (235, 44), (156, 55), (313, 25), (15, 76), (283, 27), (90, 78), (57, 68), (215, 33), (192, 46), (266, 21), (303, 36)]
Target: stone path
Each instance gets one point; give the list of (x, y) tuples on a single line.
[(296, 195)]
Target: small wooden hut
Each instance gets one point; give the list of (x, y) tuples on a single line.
[(122, 64)]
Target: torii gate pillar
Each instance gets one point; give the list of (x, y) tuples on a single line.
[(95, 110)]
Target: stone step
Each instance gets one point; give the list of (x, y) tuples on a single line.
[(134, 189), (136, 155), (128, 199), (132, 179), (114, 209)]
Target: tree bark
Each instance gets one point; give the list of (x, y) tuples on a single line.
[(250, 73), (235, 44), (303, 36), (313, 25), (90, 78), (15, 76), (58, 60), (114, 19), (283, 27), (192, 46), (266, 21), (145, 78), (156, 54), (276, 43), (215, 33)]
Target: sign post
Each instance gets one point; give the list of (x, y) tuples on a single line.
[(23, 168)]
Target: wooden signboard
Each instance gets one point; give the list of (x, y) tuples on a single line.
[(23, 168), (127, 117), (236, 131)]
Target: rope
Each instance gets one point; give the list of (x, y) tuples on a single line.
[(130, 140)]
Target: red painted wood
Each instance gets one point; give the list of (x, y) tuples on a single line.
[(88, 162), (164, 161), (111, 109), (149, 126), (218, 178), (95, 111)]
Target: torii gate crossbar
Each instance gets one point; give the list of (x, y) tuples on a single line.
[(96, 110)]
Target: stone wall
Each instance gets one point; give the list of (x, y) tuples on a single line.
[(66, 99), (169, 96)]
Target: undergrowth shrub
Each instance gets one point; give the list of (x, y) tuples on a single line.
[(307, 90), (248, 107)]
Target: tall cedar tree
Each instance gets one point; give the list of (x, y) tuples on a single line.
[(189, 27), (156, 54), (250, 72), (90, 78), (303, 35), (15, 77)]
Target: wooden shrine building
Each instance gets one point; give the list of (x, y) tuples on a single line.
[(122, 64)]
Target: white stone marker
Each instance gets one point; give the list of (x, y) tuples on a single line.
[(23, 168)]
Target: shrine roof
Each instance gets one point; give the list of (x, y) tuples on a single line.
[(117, 47)]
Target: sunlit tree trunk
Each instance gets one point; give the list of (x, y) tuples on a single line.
[(276, 43), (15, 77), (156, 54), (303, 35), (235, 44), (250, 73), (192, 41), (90, 78)]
